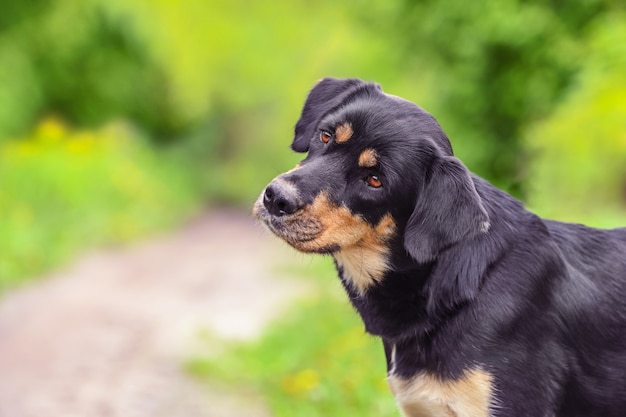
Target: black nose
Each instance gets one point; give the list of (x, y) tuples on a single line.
[(280, 199)]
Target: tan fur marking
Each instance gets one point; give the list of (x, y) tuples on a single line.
[(368, 158), (365, 262), (359, 248), (428, 396), (323, 227), (343, 133), (338, 226)]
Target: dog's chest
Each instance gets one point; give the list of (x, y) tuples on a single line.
[(425, 395)]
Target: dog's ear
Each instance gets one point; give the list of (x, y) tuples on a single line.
[(327, 94), (448, 210)]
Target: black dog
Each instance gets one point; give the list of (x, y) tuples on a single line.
[(483, 308)]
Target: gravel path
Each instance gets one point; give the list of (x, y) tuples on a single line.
[(107, 336)]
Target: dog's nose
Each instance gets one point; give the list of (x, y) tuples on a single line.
[(280, 199)]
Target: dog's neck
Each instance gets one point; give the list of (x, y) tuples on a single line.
[(395, 304), (413, 299)]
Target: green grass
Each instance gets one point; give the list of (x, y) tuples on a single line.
[(315, 361), (62, 191)]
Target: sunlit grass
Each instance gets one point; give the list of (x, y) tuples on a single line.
[(64, 190), (315, 361)]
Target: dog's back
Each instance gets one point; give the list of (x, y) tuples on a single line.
[(596, 261), (591, 306), (592, 251)]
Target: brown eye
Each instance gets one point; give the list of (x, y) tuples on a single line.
[(325, 137), (374, 181)]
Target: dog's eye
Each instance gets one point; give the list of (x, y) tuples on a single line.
[(325, 136), (374, 181)]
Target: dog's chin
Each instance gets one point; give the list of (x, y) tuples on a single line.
[(306, 243), (297, 232), (310, 247)]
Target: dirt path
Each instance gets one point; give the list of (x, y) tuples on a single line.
[(107, 336)]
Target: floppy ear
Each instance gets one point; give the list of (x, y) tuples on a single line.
[(447, 211), (327, 94)]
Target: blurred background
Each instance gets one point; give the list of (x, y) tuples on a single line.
[(123, 120)]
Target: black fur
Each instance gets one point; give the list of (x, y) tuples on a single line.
[(474, 278)]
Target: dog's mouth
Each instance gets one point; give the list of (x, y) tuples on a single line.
[(302, 229), (360, 248), (324, 227)]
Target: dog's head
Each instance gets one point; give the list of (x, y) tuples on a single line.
[(379, 177)]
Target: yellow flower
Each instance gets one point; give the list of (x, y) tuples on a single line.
[(50, 130), (81, 143), (25, 148), (302, 383)]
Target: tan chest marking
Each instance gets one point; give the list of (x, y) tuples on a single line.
[(427, 396), (365, 262)]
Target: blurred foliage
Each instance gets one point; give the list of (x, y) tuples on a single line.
[(488, 72), (579, 154), (75, 60), (498, 66), (62, 190), (226, 79), (316, 361), (242, 69)]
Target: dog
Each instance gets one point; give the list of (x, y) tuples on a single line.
[(483, 308)]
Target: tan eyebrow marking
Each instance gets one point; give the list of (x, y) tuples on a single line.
[(343, 133), (368, 158)]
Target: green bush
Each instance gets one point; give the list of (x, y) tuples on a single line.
[(579, 154), (63, 190), (78, 61), (495, 68)]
